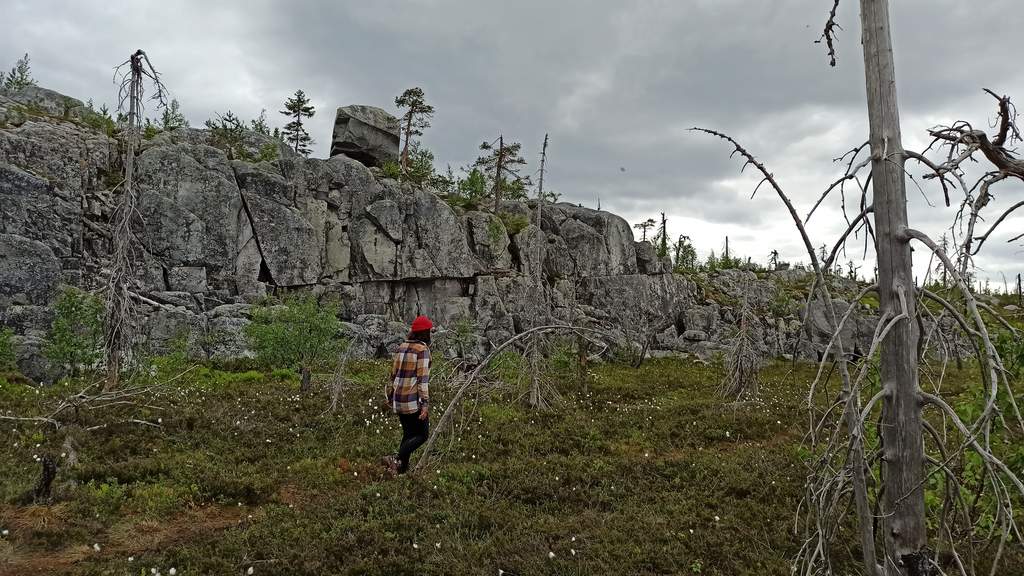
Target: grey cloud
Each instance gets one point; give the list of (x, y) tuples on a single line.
[(615, 84)]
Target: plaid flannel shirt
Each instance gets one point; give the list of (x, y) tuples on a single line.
[(410, 376)]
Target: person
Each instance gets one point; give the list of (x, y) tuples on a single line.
[(408, 392)]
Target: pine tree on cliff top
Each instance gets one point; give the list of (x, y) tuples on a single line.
[(298, 107)]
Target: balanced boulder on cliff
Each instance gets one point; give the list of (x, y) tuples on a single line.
[(365, 133)]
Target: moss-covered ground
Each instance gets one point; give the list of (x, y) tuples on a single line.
[(639, 471)]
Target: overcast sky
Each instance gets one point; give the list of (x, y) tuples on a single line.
[(616, 84)]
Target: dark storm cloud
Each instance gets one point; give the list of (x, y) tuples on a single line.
[(616, 84)]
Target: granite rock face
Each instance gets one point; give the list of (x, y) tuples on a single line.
[(29, 272), (222, 232)]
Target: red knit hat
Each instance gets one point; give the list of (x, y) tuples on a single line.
[(422, 324)]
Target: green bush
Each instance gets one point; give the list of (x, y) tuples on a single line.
[(102, 500), (420, 170), (161, 500), (391, 169), (150, 130), (514, 223), (99, 120), (75, 341), (8, 361), (299, 334)]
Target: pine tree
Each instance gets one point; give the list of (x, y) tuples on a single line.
[(661, 239), (684, 255), (20, 76), (226, 131), (644, 227), (415, 119), (298, 107), (172, 117), (502, 166), (259, 125)]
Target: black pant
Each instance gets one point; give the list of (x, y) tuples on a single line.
[(414, 434)]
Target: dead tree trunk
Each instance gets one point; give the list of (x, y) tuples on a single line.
[(497, 173), (903, 509), (126, 219), (535, 395)]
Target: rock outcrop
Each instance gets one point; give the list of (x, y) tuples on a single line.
[(222, 232), (365, 133)]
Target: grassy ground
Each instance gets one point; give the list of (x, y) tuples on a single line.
[(641, 472)]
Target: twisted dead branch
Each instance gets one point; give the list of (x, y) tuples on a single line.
[(828, 36), (824, 490)]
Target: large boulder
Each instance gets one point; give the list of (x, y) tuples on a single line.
[(819, 326), (44, 101), (647, 260), (365, 133), (529, 248), (29, 272)]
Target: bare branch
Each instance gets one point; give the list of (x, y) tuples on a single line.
[(829, 34), (981, 239)]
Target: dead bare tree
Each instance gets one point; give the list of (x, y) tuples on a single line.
[(126, 218), (536, 393), (908, 449)]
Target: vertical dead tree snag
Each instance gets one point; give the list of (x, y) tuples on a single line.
[(908, 450), (536, 396), (126, 219), (903, 512)]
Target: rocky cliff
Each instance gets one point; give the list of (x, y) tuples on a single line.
[(227, 225)]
